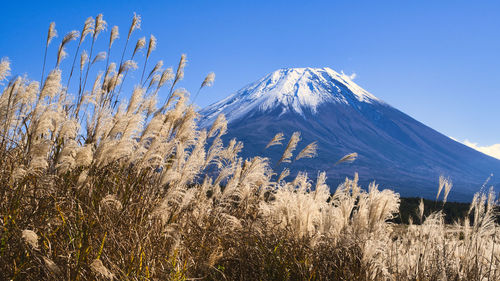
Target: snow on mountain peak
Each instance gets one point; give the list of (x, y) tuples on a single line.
[(290, 89)]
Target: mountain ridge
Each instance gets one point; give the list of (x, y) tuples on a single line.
[(394, 149)]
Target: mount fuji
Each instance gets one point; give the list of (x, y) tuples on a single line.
[(394, 150)]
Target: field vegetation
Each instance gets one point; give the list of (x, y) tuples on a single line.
[(99, 185)]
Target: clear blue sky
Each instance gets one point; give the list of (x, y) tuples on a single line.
[(438, 61)]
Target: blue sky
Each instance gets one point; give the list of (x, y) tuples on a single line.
[(438, 61)]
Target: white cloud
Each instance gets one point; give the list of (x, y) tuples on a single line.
[(492, 150), (351, 77)]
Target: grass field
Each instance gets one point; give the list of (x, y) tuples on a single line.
[(93, 186)]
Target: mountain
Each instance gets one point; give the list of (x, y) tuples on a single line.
[(395, 150)]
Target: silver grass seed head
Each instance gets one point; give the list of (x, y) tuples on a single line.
[(114, 35), (154, 80), (285, 173), (97, 84), (136, 24), (167, 74), (441, 185), (110, 201), (180, 69), (447, 187), (70, 36), (61, 54), (100, 25), (150, 103), (4, 68), (52, 32), (151, 46), (99, 57), (129, 64), (135, 99), (31, 91), (421, 210), (115, 81), (52, 84), (276, 140), (292, 144), (139, 45), (111, 68), (209, 80), (308, 152), (220, 124), (84, 156), (83, 59), (30, 237), (349, 158), (157, 67), (87, 28)]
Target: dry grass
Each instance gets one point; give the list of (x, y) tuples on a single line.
[(95, 187)]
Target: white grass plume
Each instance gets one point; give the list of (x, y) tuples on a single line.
[(52, 84), (308, 152), (220, 124), (179, 75), (421, 210), (136, 24), (139, 45), (51, 33), (61, 53), (31, 238), (166, 75), (446, 184), (285, 173), (151, 45), (127, 65), (155, 69), (349, 158), (276, 140), (99, 25), (292, 144), (84, 57), (114, 35), (88, 27), (70, 36), (447, 187), (4, 68), (99, 57), (209, 80)]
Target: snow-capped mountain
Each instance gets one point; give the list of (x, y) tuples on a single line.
[(290, 90), (394, 149)]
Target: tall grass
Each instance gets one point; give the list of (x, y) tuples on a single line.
[(97, 187)]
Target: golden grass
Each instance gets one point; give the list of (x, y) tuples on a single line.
[(95, 187)]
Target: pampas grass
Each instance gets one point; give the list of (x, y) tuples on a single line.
[(98, 188), (50, 35), (308, 152), (290, 147), (349, 158), (4, 68), (151, 47), (207, 82), (276, 140)]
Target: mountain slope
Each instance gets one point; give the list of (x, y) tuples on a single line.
[(394, 149)]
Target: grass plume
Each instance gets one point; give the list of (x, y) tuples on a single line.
[(137, 191)]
